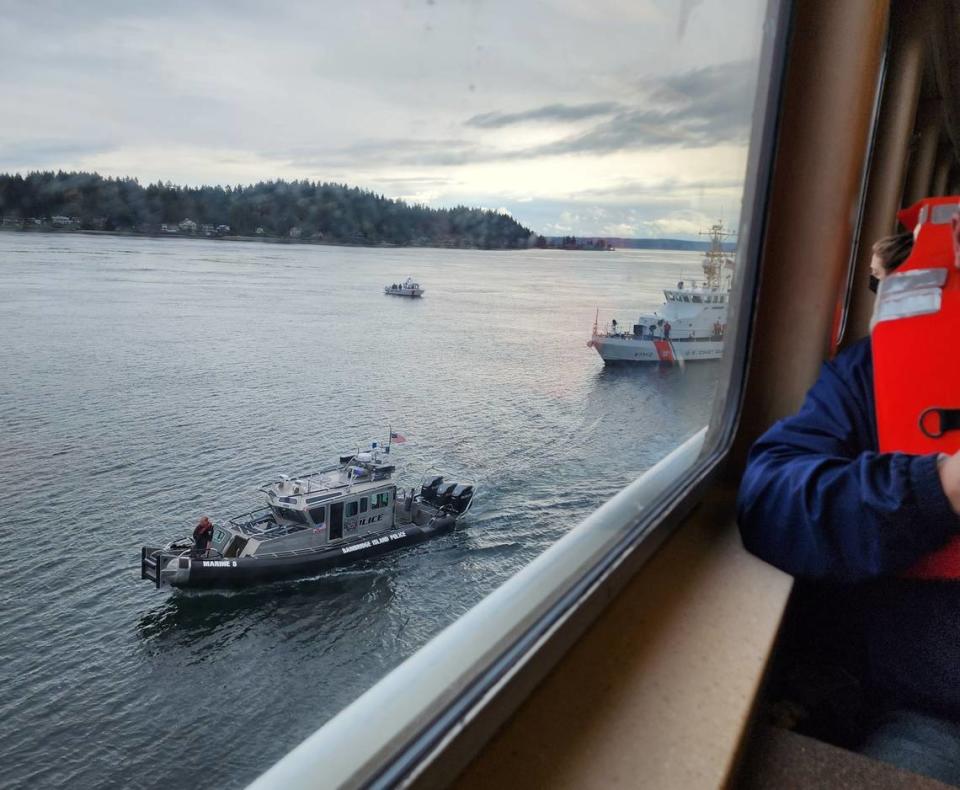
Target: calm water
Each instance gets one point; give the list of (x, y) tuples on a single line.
[(147, 382)]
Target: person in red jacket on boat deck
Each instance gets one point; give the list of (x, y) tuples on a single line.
[(202, 535)]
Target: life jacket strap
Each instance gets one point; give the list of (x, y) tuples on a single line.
[(935, 422)]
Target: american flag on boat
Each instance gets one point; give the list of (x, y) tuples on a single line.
[(399, 438)]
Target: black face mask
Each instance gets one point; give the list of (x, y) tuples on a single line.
[(874, 283)]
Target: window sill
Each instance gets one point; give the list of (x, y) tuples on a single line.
[(659, 691)]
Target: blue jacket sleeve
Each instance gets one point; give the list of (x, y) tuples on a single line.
[(818, 501)]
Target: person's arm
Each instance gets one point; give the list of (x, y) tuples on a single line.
[(818, 501)]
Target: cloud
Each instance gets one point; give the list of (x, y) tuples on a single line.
[(28, 155), (422, 180), (699, 108), (626, 222), (728, 85), (661, 208), (405, 152), (549, 112), (671, 188)]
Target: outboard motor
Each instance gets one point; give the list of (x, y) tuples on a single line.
[(444, 493), (460, 498), (428, 491)]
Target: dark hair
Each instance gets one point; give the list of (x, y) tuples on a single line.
[(893, 250)]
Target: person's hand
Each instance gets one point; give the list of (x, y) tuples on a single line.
[(949, 469)]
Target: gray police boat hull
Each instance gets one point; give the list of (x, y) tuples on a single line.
[(246, 571)]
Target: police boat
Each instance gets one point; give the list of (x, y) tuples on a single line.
[(347, 512)]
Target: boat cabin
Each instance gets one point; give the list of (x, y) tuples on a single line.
[(340, 503), (694, 295), (691, 312)]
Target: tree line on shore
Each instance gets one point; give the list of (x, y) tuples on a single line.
[(304, 210)]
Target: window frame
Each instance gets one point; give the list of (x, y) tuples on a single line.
[(845, 297), (342, 750)]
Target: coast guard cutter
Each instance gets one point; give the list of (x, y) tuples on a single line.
[(691, 324)]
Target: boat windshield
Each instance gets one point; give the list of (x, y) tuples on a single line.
[(289, 514)]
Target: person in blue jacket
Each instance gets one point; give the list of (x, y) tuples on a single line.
[(820, 502)]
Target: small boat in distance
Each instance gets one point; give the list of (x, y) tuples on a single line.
[(347, 512), (407, 288)]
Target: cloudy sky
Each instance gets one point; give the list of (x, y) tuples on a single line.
[(619, 118)]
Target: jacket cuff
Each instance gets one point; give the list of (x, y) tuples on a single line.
[(932, 502)]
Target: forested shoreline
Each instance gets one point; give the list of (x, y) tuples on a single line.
[(290, 210)]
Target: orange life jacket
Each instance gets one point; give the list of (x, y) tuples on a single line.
[(915, 334)]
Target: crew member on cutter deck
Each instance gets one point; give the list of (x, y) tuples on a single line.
[(851, 492)]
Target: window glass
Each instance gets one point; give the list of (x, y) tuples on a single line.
[(236, 547), (540, 169), (363, 504), (291, 515), (351, 509)]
